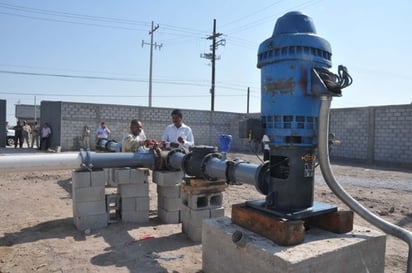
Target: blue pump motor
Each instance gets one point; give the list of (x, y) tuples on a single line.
[(294, 65)]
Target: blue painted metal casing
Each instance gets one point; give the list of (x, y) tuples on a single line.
[(290, 85)]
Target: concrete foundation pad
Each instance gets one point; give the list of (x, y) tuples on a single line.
[(361, 250)]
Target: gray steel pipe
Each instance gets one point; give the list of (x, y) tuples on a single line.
[(84, 159), (215, 168), (117, 160), (15, 163), (323, 132), (174, 159), (245, 172)]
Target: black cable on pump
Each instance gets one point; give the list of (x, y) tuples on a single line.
[(335, 83)]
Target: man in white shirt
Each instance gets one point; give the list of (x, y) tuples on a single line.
[(136, 139), (103, 131), (266, 147), (102, 136), (178, 134)]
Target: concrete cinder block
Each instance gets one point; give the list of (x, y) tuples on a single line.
[(130, 176), (169, 191), (88, 194), (91, 221), (167, 178), (192, 222), (110, 181), (217, 212), (98, 178), (121, 176), (170, 204), (84, 179), (139, 176), (128, 203), (169, 217), (194, 216), (81, 179), (195, 234), (202, 201), (362, 250), (136, 216), (133, 190), (134, 203), (142, 203), (89, 208)]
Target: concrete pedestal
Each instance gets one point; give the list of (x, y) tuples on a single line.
[(362, 250)]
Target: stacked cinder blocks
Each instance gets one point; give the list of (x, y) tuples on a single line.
[(89, 202), (110, 182), (168, 195), (133, 188), (199, 206)]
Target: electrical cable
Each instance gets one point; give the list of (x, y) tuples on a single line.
[(335, 83)]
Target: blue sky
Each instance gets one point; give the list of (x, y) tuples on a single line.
[(74, 41)]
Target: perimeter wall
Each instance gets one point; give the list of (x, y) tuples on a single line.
[(377, 135)]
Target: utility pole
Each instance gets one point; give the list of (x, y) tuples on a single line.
[(248, 98), (213, 58), (35, 112), (159, 46)]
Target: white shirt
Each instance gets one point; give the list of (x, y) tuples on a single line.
[(45, 132), (266, 141), (102, 132), (171, 134)]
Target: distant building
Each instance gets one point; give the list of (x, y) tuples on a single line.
[(27, 112)]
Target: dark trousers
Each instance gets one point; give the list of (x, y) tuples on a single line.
[(266, 155), (18, 139), (44, 143)]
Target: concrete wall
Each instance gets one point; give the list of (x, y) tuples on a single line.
[(67, 120), (378, 135), (373, 135)]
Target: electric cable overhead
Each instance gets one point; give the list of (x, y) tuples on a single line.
[(72, 15), (107, 96), (89, 77), (270, 18)]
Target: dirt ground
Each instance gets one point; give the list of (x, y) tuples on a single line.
[(37, 233)]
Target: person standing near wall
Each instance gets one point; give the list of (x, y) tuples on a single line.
[(35, 133), (102, 133), (26, 133), (5, 134), (136, 138), (86, 137), (18, 135), (45, 137), (178, 134), (266, 147)]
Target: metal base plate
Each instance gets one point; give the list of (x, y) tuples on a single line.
[(317, 209)]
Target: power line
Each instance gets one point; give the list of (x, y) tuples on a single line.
[(88, 77), (70, 22), (269, 18), (107, 96), (251, 14), (85, 17), (179, 32), (70, 76), (71, 15)]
